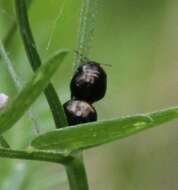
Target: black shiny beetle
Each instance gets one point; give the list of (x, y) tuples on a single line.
[(89, 82), (78, 111)]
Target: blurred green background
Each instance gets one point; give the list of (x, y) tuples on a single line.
[(139, 39)]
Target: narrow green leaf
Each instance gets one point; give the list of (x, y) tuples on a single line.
[(97, 133), (30, 92), (88, 135)]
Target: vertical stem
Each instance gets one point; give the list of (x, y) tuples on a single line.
[(35, 61), (76, 174), (75, 169), (87, 27)]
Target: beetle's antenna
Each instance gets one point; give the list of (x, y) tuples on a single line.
[(105, 64), (86, 59)]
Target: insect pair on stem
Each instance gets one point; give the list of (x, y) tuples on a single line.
[(88, 85)]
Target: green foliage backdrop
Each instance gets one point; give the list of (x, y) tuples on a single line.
[(139, 39)]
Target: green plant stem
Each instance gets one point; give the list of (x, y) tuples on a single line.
[(86, 30), (35, 61), (47, 156), (76, 173), (75, 169)]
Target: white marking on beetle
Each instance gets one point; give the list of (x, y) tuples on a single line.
[(88, 75), (81, 109)]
